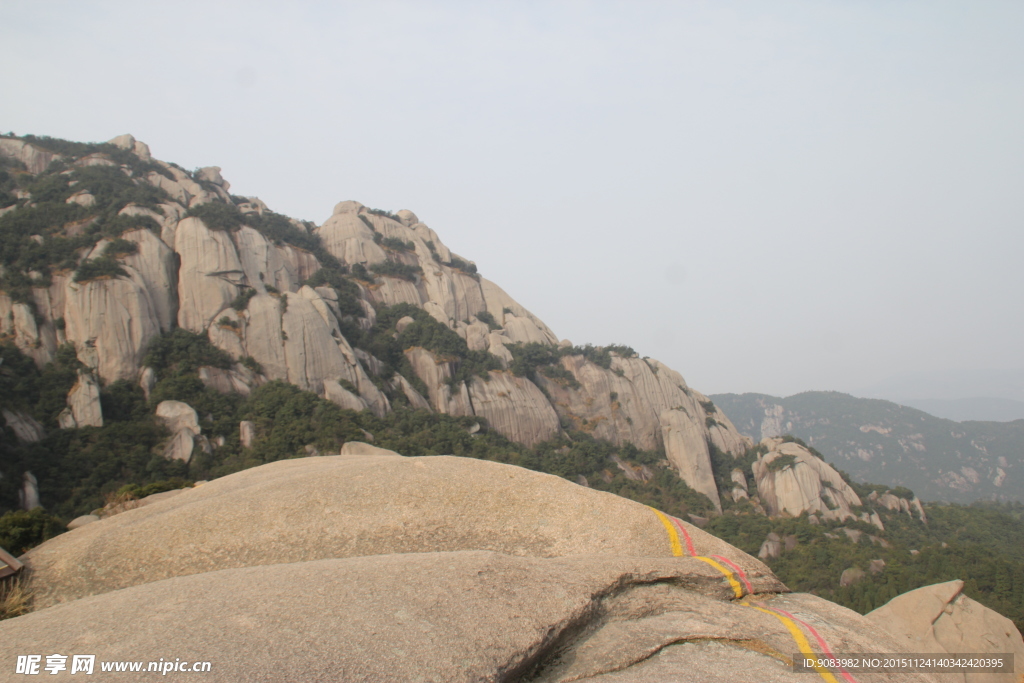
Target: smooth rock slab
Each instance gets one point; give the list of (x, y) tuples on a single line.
[(460, 616), (344, 506)]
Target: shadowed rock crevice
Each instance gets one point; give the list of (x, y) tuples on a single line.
[(619, 629)]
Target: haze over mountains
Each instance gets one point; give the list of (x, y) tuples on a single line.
[(983, 395), (876, 440)]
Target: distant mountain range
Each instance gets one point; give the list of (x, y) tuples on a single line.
[(988, 394), (876, 440), (979, 408)]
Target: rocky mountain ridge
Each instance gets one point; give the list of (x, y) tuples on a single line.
[(877, 440), (286, 300)]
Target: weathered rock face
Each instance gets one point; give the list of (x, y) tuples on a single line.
[(239, 379), (17, 321), (800, 482), (688, 451), (246, 433), (514, 406), (941, 619), (177, 415), (183, 423), (499, 574), (209, 275), (28, 496), (110, 322), (200, 277), (84, 401), (36, 160), (25, 427)]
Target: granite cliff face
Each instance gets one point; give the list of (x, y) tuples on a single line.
[(249, 291)]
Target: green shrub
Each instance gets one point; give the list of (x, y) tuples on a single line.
[(120, 247), (252, 364), (395, 269), (433, 250), (360, 273), (102, 267), (488, 319), (184, 351), (781, 462), (528, 358), (394, 243), (347, 291), (562, 376), (241, 301), (140, 491), (22, 530), (385, 214), (218, 216), (459, 264)]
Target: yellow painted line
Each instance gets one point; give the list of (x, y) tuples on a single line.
[(673, 537), (799, 637), (677, 551), (736, 587)]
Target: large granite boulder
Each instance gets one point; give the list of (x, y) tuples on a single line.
[(940, 618), (354, 505), (371, 566), (792, 480)]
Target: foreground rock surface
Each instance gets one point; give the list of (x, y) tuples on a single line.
[(367, 503), (940, 618), (457, 616)]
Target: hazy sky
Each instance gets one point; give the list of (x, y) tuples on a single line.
[(768, 196)]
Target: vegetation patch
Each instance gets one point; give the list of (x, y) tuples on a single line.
[(218, 216), (781, 462), (241, 301), (120, 247), (102, 267), (488, 319), (402, 271)]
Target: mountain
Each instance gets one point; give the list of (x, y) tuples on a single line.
[(876, 440), (158, 331), (124, 273), (976, 409)]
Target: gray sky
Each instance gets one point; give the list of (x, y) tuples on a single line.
[(769, 197)]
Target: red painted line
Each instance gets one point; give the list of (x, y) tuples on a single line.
[(736, 568), (821, 641), (686, 536)]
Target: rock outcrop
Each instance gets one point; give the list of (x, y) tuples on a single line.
[(242, 285), (442, 568), (792, 480), (940, 618), (28, 496), (25, 427), (84, 402), (182, 422)]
